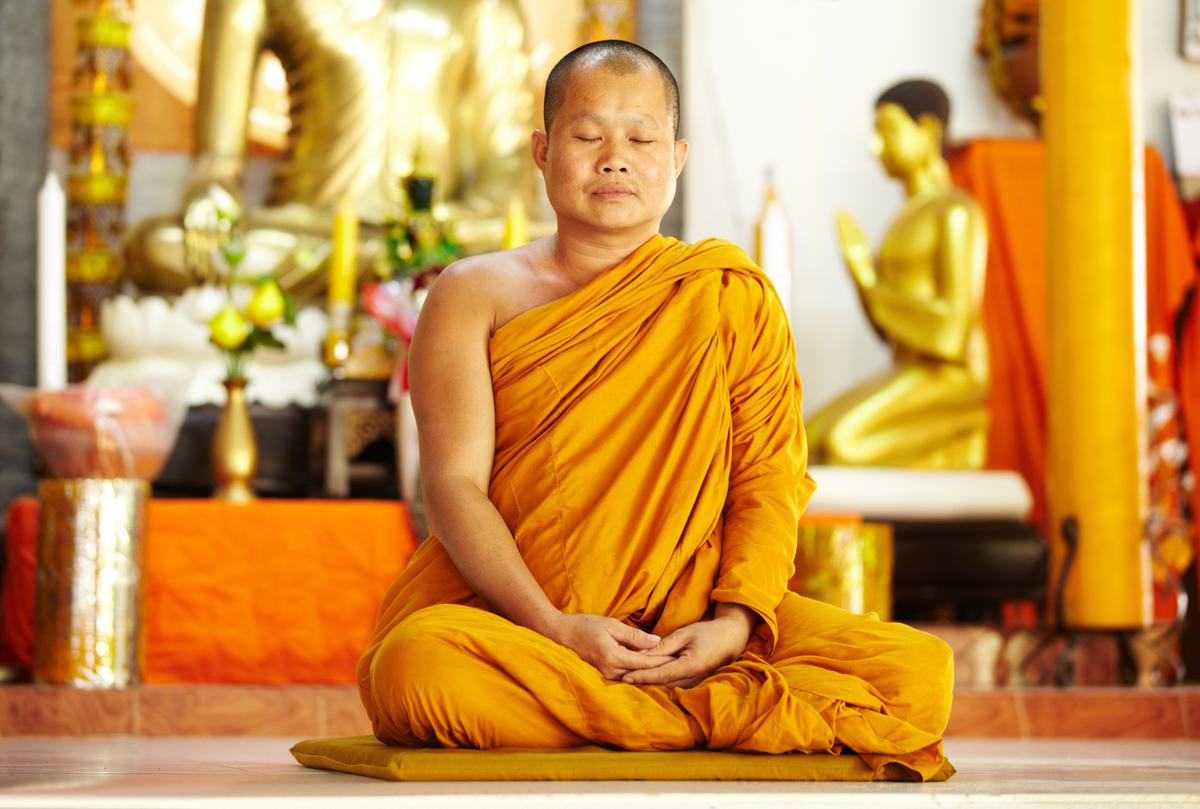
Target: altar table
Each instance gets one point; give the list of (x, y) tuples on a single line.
[(276, 591)]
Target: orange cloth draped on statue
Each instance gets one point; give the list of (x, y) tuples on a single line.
[(1007, 177), (650, 460)]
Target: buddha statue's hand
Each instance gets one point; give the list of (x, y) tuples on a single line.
[(211, 211), (695, 651), (856, 250), (614, 648)]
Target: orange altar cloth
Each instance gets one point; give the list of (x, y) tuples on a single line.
[(271, 592)]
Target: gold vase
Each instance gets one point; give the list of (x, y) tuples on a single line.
[(235, 455)]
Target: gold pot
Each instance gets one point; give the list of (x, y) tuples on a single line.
[(235, 455)]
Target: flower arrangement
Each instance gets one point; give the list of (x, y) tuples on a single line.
[(239, 331)]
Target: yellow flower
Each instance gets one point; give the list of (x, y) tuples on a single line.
[(266, 304), (229, 328)]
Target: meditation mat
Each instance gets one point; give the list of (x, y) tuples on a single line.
[(365, 755)]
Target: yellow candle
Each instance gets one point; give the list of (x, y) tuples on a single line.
[(516, 225), (343, 258)]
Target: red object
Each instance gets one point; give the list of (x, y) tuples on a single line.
[(270, 592), (17, 588)]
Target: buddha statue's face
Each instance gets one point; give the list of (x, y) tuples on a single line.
[(902, 144), (611, 158)]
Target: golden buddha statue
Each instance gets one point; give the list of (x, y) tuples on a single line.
[(922, 295), (369, 82)]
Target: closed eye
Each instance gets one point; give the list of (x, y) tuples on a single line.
[(636, 140), (586, 140)]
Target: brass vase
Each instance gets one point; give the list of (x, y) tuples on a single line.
[(235, 455)]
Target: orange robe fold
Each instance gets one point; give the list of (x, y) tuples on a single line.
[(650, 461)]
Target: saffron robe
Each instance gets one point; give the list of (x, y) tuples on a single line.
[(650, 462)]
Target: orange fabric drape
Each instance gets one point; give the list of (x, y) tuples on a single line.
[(1007, 178), (269, 592)]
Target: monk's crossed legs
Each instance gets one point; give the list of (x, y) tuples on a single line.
[(459, 676)]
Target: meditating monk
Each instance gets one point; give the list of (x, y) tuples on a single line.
[(614, 466)]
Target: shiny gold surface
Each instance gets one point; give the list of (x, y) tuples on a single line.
[(1096, 329), (98, 159), (922, 295), (115, 109), (102, 32), (235, 452), (97, 266), (85, 345), (96, 189), (847, 564), (88, 582), (368, 83)]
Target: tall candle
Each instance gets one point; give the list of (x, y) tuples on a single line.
[(773, 246), (516, 225), (52, 286), (343, 258)]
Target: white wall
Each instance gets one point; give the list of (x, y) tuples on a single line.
[(1164, 71), (792, 84)]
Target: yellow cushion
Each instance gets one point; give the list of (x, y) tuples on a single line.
[(365, 755)]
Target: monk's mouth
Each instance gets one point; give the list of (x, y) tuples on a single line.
[(613, 194)]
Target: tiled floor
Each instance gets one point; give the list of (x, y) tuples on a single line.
[(200, 772)]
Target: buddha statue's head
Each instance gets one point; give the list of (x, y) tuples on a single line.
[(911, 119)]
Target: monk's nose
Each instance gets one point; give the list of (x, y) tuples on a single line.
[(614, 162)]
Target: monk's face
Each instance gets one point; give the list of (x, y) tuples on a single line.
[(611, 159)]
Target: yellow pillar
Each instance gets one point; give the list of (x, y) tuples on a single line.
[(1096, 307)]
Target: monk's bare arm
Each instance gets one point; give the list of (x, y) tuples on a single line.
[(452, 400), (456, 422)]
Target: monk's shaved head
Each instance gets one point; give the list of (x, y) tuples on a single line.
[(618, 56)]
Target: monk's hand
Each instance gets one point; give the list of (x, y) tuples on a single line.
[(699, 649), (614, 648)]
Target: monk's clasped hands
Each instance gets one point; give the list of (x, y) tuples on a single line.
[(683, 658), (614, 648), (695, 651)]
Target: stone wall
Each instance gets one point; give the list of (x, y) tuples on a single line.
[(24, 128)]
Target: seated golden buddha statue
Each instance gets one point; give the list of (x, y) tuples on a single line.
[(922, 295), (370, 84)]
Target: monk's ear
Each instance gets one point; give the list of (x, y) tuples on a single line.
[(681, 153), (539, 146)]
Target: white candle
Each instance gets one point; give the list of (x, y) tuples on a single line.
[(52, 286), (773, 246)]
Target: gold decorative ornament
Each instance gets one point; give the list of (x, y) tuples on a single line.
[(353, 129), (1009, 41), (922, 294), (847, 563), (89, 582), (98, 156)]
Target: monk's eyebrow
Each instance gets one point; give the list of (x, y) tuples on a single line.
[(596, 118)]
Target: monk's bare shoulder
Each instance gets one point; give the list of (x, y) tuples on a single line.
[(496, 286)]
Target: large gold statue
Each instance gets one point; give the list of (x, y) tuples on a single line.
[(923, 296), (370, 83)]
